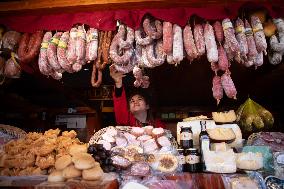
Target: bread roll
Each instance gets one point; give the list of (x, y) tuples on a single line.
[(78, 148), (62, 162), (71, 172), (84, 161), (56, 176), (94, 173)]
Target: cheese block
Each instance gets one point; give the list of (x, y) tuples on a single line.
[(220, 162), (221, 134), (224, 117), (219, 147), (243, 183), (249, 161)]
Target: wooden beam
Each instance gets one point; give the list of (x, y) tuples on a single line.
[(57, 6)]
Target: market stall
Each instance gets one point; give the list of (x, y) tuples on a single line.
[(237, 141)]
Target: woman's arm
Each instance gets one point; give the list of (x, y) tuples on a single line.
[(120, 107)]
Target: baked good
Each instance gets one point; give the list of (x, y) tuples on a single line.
[(224, 117), (56, 176), (84, 161), (63, 162), (78, 148), (249, 161), (221, 134), (94, 173), (71, 172)]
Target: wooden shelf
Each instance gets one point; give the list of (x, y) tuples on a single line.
[(58, 6)]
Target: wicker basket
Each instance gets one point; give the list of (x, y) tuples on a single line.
[(13, 131), (97, 136)]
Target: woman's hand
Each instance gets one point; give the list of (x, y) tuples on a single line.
[(116, 76)]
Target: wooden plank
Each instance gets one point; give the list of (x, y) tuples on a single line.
[(57, 6)]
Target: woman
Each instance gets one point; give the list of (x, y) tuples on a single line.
[(135, 112)]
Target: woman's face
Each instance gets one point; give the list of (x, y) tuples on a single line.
[(138, 104)]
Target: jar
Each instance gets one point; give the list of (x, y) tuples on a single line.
[(181, 159), (192, 160), (186, 140)]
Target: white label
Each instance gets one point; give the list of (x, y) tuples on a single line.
[(181, 159), (186, 136), (192, 159), (205, 145), (227, 25)]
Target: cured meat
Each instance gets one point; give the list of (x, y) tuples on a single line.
[(156, 49), (81, 45), (121, 141), (218, 30), (189, 43), (23, 45), (52, 52), (148, 129), (140, 169), (144, 138), (92, 45), (128, 42), (210, 43), (177, 44), (140, 80), (155, 31), (252, 52), (130, 138), (12, 68), (199, 39), (167, 37), (223, 63), (2, 65), (241, 38), (150, 146), (105, 144), (115, 48), (137, 131), (164, 141), (230, 38), (158, 132), (10, 40), (258, 61), (43, 64), (142, 40), (214, 67), (61, 53), (120, 162), (105, 50), (97, 77), (71, 50), (228, 86), (259, 36), (217, 88)]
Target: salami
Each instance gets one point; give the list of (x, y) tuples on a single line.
[(144, 58), (217, 88), (223, 62), (43, 64), (105, 49), (52, 52), (71, 50), (252, 52), (218, 30), (156, 49), (12, 69), (92, 45), (81, 45), (177, 44), (23, 45), (241, 38), (128, 42), (115, 48), (258, 61), (259, 36), (140, 40), (276, 57), (167, 37), (189, 44), (230, 38), (10, 40), (97, 76), (228, 86), (61, 53), (155, 31), (199, 39), (210, 43)]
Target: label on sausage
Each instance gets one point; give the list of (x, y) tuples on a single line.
[(257, 28), (44, 45), (81, 35), (62, 44), (227, 25), (54, 40), (92, 37), (240, 29), (248, 32), (185, 136), (192, 159)]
